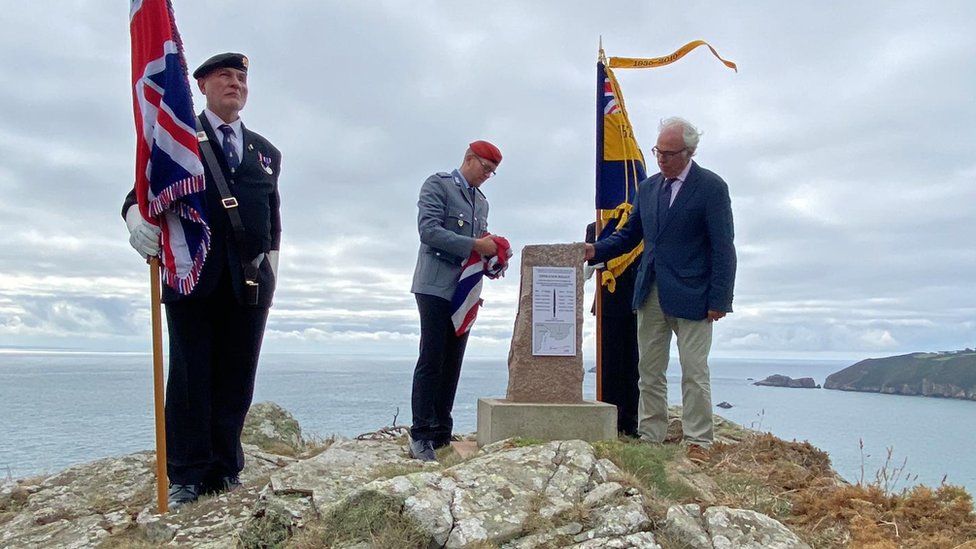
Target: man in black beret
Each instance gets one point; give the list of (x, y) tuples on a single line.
[(215, 332)]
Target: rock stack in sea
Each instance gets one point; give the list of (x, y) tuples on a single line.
[(777, 380)]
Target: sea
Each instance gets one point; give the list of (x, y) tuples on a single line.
[(63, 408)]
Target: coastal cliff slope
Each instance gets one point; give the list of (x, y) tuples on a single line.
[(945, 374), (755, 490)]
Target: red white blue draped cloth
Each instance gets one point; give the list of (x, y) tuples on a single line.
[(169, 175), (467, 295)]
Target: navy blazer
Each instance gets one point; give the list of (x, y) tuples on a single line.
[(689, 252)]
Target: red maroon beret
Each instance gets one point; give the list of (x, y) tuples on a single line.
[(487, 151)]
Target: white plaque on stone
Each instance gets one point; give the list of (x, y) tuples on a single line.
[(553, 311)]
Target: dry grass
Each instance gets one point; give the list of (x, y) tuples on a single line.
[(920, 517), (315, 445), (14, 501), (793, 482), (783, 465)]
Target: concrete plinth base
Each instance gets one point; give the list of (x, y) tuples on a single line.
[(499, 419)]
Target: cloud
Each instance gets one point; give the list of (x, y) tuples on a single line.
[(848, 155)]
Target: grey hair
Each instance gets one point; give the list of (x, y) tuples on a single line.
[(689, 132)]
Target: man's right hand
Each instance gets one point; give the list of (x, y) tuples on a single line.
[(590, 252), (485, 246), (143, 235)]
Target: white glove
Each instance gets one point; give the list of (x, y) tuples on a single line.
[(273, 260), (272, 257), (588, 270), (143, 235)]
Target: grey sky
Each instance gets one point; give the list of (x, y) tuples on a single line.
[(846, 138)]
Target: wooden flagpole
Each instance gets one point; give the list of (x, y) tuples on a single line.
[(162, 484), (596, 234)]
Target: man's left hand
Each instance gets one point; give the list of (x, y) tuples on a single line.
[(715, 315)]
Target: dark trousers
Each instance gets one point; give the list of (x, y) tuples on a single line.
[(619, 373), (214, 344), (435, 378)]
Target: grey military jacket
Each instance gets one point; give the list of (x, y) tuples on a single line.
[(448, 222)]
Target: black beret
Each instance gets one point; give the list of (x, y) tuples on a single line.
[(220, 61)]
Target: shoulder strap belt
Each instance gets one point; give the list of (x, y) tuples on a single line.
[(229, 202)]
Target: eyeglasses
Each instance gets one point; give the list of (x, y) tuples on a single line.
[(489, 171), (666, 155)]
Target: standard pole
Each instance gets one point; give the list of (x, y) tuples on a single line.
[(599, 321), (162, 484)]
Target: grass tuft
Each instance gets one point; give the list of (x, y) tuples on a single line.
[(369, 517), (648, 464), (392, 470)]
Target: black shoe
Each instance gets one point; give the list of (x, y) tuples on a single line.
[(422, 450), (182, 494), (221, 485), (441, 443), (628, 433)]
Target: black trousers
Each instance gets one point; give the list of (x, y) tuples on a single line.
[(435, 378), (214, 343), (619, 373)]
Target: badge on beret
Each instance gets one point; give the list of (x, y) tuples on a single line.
[(244, 61), (265, 163), (460, 222)]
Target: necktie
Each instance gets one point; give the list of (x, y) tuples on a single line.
[(664, 198), (230, 151)]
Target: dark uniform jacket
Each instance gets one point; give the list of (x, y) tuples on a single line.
[(256, 190)]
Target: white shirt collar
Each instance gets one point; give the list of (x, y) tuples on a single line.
[(684, 173), (238, 141), (216, 121)]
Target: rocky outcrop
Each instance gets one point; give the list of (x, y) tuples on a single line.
[(272, 428), (777, 380), (719, 527), (555, 494), (944, 375)]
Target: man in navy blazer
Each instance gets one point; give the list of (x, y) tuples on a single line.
[(684, 282)]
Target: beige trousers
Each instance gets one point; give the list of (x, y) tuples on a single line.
[(654, 329)]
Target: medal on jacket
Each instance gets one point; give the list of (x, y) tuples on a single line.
[(265, 163)]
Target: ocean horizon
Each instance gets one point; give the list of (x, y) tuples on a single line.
[(64, 407)]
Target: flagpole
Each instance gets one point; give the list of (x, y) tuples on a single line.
[(162, 497), (596, 234)]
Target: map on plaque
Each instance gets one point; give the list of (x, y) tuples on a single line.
[(554, 311)]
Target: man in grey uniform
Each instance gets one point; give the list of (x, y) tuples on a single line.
[(452, 221)]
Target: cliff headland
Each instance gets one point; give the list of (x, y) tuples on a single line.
[(949, 374)]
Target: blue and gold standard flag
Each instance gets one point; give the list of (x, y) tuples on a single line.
[(619, 168), (619, 160)]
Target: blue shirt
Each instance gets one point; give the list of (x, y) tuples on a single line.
[(458, 177)]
